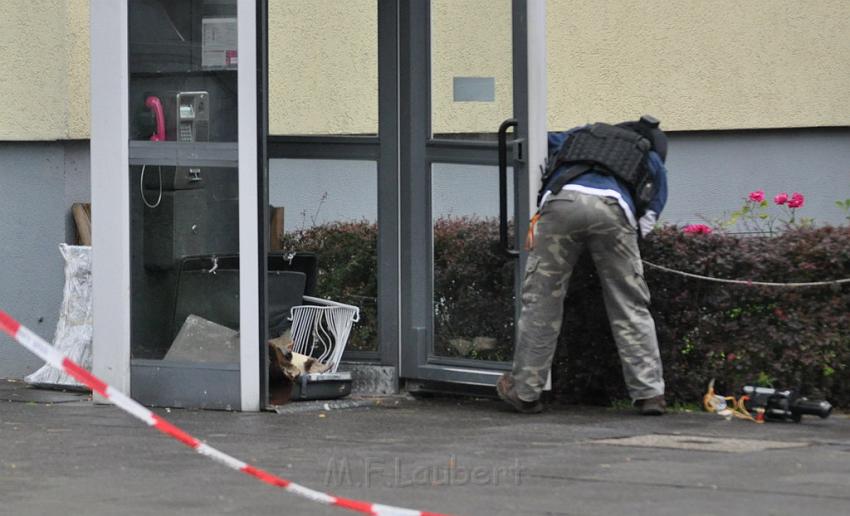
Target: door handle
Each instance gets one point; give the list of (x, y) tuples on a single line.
[(503, 188)]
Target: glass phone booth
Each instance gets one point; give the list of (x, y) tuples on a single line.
[(184, 202), (189, 199)]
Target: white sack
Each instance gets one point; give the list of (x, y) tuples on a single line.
[(74, 331)]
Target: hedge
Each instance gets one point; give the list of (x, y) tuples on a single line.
[(737, 334)]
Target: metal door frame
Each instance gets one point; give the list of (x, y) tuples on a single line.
[(418, 151), (382, 149)]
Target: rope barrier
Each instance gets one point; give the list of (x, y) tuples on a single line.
[(748, 282)]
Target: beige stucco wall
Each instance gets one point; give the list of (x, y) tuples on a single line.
[(471, 38), (700, 64), (44, 84), (323, 67), (696, 64), (78, 69)]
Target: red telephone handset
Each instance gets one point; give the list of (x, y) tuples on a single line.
[(154, 104)]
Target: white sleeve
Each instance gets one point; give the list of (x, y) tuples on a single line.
[(647, 222)]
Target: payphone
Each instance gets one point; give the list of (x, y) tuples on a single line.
[(177, 116), (192, 116)]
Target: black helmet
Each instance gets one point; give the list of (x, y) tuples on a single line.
[(648, 127)]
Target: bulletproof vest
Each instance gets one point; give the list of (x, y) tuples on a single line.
[(607, 148)]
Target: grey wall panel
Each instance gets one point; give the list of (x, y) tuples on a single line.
[(33, 213), (710, 173), (77, 181), (349, 190), (314, 192)]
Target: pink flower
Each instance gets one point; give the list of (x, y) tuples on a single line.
[(757, 196), (781, 198), (697, 229), (796, 201)]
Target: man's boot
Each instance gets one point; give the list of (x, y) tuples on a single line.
[(655, 406), (505, 389)]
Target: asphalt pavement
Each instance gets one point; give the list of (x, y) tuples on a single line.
[(62, 454)]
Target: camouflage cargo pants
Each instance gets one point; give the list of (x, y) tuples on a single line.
[(569, 222)]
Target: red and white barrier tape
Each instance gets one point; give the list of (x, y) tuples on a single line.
[(52, 356)]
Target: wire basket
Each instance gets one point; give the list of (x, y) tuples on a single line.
[(321, 329)]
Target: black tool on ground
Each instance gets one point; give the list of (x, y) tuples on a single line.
[(785, 405)]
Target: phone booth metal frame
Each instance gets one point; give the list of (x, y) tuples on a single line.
[(110, 184)]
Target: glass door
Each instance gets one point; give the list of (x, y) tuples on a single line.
[(324, 182), (465, 185)]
